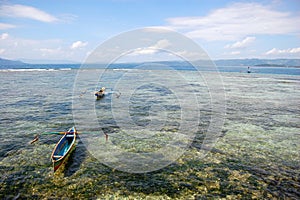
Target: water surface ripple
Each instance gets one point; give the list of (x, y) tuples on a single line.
[(257, 155)]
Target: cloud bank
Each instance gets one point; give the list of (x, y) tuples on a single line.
[(23, 11), (4, 26), (51, 49), (276, 51), (236, 21), (241, 44)]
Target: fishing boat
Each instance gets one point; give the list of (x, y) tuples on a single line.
[(100, 94), (63, 148)]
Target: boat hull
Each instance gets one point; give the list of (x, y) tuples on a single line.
[(99, 95), (60, 163), (63, 149)]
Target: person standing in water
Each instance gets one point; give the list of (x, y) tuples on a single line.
[(248, 71)]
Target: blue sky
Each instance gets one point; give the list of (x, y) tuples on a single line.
[(70, 30)]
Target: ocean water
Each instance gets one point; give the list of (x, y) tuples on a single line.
[(255, 154)]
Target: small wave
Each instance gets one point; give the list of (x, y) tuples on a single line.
[(35, 70), (22, 70), (65, 69), (124, 69)]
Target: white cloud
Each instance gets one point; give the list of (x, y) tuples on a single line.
[(78, 44), (157, 29), (157, 47), (4, 26), (236, 21), (4, 36), (241, 44), (16, 48), (47, 51), (285, 52), (235, 53), (143, 51), (2, 51), (161, 51), (23, 11), (161, 44)]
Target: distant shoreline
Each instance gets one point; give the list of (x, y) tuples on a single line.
[(270, 65), (126, 68), (295, 63)]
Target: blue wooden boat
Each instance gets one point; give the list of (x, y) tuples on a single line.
[(63, 148)]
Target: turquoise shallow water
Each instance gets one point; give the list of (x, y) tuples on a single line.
[(256, 154)]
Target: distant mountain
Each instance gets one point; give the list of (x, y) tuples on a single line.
[(239, 62), (259, 62), (5, 62)]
